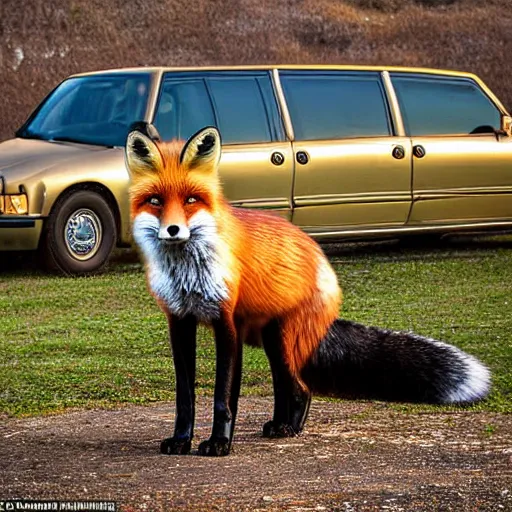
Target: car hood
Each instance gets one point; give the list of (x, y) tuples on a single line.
[(22, 159)]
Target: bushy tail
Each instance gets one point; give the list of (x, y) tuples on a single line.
[(354, 361)]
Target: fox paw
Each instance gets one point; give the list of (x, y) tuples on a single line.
[(273, 429), (174, 446), (214, 447)]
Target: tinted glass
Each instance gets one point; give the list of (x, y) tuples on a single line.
[(240, 110), (336, 106), (273, 113), (436, 106), (95, 109), (183, 109)]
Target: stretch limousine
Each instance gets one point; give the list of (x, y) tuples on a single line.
[(341, 151)]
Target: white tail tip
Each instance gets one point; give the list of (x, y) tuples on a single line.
[(475, 384)]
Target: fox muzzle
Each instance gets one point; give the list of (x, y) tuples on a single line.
[(174, 233)]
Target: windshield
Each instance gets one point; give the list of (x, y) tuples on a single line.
[(95, 109)]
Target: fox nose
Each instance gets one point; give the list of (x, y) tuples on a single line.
[(174, 233), (173, 230)]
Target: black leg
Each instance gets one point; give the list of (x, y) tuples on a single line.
[(227, 387), (237, 382), (183, 343), (299, 408), (271, 335), (291, 400)]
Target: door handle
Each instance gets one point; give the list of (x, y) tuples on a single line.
[(302, 157), (398, 152), (277, 158), (419, 151)]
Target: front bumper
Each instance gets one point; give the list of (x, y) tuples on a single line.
[(19, 233)]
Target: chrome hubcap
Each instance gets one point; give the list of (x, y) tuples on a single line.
[(82, 234)]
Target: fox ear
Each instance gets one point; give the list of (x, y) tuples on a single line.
[(142, 153), (202, 150)]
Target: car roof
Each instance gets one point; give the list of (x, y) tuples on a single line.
[(159, 70), (269, 67)]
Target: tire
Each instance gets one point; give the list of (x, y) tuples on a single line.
[(80, 234)]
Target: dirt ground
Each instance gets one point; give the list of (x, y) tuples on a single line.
[(352, 456)]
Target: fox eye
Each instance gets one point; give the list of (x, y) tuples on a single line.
[(191, 200), (154, 201)]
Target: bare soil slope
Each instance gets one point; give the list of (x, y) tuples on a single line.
[(42, 42), (353, 456)]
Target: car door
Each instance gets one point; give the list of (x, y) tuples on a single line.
[(256, 167), (351, 171), (462, 170)]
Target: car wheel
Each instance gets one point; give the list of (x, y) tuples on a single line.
[(80, 233)]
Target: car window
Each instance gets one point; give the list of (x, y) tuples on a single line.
[(183, 108), (335, 106), (438, 106), (95, 109), (240, 108)]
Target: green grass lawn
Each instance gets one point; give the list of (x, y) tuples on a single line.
[(102, 341)]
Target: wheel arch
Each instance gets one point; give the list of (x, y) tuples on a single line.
[(100, 189)]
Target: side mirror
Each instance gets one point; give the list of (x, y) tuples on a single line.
[(506, 125)]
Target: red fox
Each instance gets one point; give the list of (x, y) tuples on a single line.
[(256, 278)]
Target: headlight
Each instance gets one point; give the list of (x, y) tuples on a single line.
[(15, 204)]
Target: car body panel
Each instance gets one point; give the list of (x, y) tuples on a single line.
[(352, 183), (22, 160), (53, 167), (251, 180), (462, 178), (20, 233)]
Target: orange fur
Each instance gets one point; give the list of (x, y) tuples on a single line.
[(273, 266)]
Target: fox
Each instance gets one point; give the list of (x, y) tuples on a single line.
[(255, 278)]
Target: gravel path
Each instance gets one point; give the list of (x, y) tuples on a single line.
[(352, 456)]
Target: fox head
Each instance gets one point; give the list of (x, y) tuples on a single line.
[(174, 186), (175, 206)]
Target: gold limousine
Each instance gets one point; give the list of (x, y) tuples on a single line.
[(342, 151)]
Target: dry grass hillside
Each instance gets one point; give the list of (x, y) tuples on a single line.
[(41, 42)]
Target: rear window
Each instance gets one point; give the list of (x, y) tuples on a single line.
[(438, 106), (336, 106)]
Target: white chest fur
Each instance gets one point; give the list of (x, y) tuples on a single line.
[(189, 277)]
